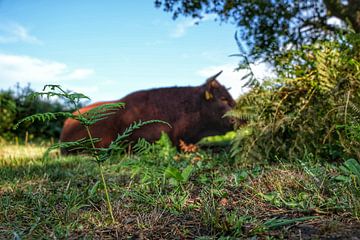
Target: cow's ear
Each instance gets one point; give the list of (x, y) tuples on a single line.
[(211, 84), (208, 95), (211, 81), (214, 84)]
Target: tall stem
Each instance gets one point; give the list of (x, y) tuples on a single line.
[(347, 104), (102, 177), (106, 193)]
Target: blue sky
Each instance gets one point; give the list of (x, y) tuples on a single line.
[(107, 49)]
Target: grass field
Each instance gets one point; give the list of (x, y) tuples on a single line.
[(163, 194)]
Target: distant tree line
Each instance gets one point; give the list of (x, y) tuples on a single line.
[(16, 104)]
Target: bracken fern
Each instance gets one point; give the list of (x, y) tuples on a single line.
[(310, 107), (86, 119)]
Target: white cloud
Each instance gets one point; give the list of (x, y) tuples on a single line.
[(14, 32), (25, 69), (231, 78), (89, 91), (80, 73), (184, 25), (181, 28)]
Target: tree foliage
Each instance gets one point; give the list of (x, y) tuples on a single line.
[(17, 104), (270, 26), (313, 106)]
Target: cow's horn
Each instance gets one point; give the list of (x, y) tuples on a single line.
[(215, 76)]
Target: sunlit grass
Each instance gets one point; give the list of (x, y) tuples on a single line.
[(10, 153)]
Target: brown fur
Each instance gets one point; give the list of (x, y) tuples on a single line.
[(186, 109)]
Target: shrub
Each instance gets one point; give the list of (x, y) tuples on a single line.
[(16, 104), (313, 106)]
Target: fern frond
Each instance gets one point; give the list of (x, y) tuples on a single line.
[(75, 97), (57, 91), (249, 77), (327, 78), (136, 125), (99, 113), (355, 112), (52, 87), (354, 108), (142, 146), (44, 117), (81, 144), (120, 143), (303, 110), (244, 113), (47, 95)]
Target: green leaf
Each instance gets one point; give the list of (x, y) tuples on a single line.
[(99, 113), (279, 222), (83, 144), (77, 96), (272, 197), (174, 173), (353, 166), (43, 117), (187, 172), (52, 87), (94, 188), (136, 125), (342, 178), (142, 146)]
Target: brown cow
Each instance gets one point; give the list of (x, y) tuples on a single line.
[(192, 112)]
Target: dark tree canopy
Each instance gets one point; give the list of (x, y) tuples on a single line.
[(270, 26)]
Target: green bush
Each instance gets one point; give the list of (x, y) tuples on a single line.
[(313, 105), (15, 105), (7, 114)]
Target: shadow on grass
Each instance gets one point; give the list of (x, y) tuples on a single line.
[(59, 169)]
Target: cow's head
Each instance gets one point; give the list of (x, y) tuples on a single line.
[(217, 101)]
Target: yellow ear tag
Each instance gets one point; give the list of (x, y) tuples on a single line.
[(208, 95)]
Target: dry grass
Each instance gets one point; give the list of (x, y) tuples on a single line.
[(11, 152)]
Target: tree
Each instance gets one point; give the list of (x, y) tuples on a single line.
[(270, 26), (15, 105)]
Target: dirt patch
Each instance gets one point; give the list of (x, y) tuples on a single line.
[(325, 230)]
